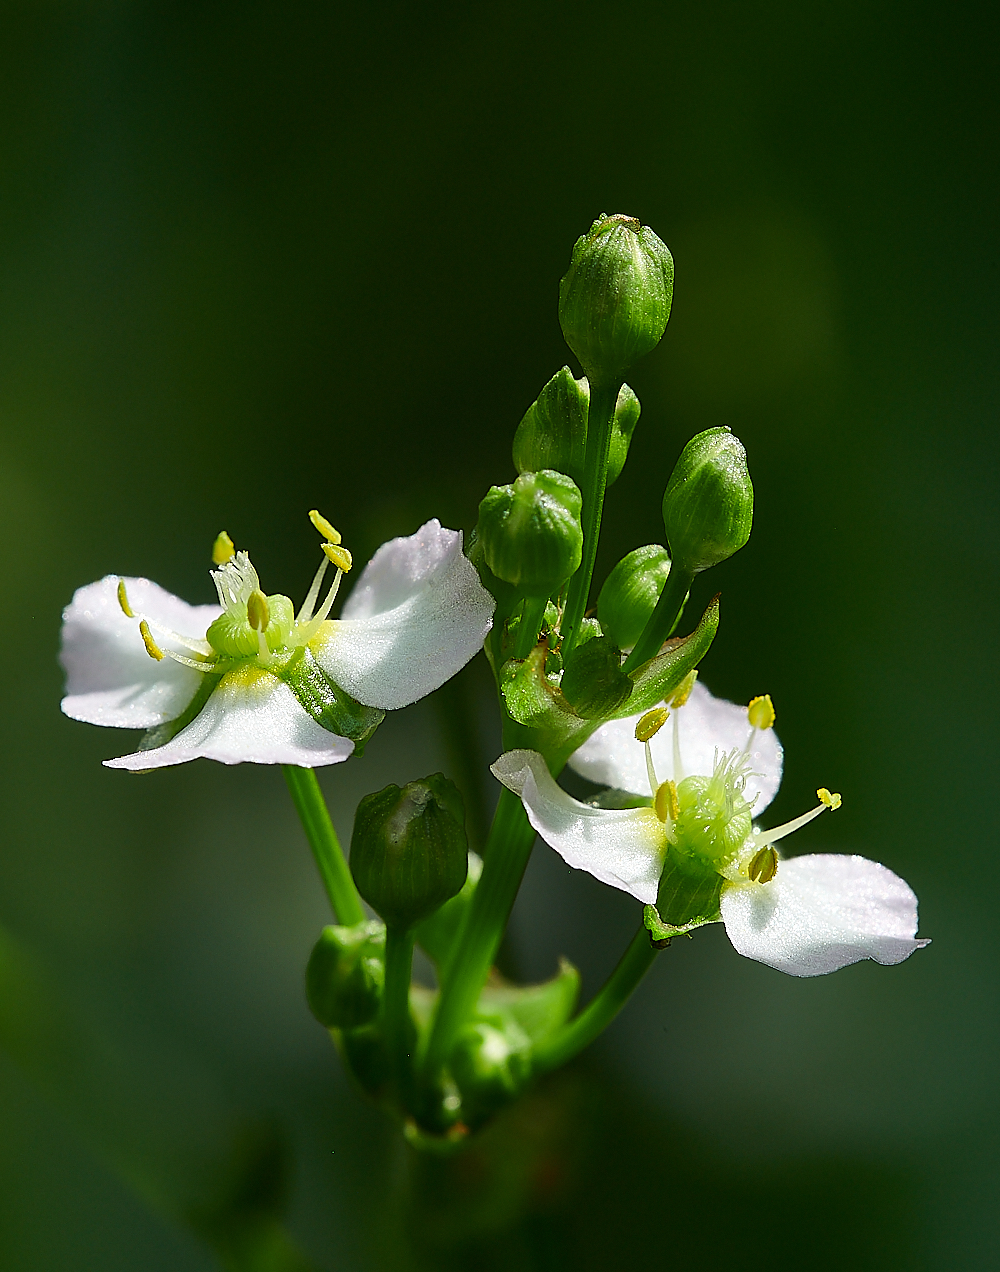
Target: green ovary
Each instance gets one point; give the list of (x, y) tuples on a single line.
[(232, 636), (715, 819)]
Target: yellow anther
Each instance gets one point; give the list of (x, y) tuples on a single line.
[(258, 612), (152, 648), (665, 803), (325, 528), (651, 723), (683, 690), (123, 600), (760, 712), (340, 557), (223, 549), (764, 866), (828, 800)]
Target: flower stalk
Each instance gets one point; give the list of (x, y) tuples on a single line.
[(330, 861)]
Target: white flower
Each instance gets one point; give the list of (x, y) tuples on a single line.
[(696, 853), (248, 679)]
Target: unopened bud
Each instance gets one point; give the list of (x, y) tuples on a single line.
[(630, 593), (708, 503), (553, 432), (530, 531), (345, 975), (409, 852), (614, 301), (593, 682), (491, 1064)]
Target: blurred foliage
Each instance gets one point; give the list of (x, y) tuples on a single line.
[(256, 260)]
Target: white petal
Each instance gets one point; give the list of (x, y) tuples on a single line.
[(612, 757), (110, 679), (622, 847), (415, 618), (821, 912), (252, 718)]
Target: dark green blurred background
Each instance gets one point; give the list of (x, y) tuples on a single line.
[(258, 258)]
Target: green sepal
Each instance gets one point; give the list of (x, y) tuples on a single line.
[(688, 896), (593, 682), (537, 703), (537, 1009), (436, 935), (656, 680), (345, 975), (161, 734), (329, 705)]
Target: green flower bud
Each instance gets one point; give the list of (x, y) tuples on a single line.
[(553, 432), (630, 593), (708, 503), (345, 974), (409, 851), (615, 299), (491, 1064), (530, 532), (593, 682)]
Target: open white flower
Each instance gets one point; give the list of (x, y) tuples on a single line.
[(695, 855), (249, 680)]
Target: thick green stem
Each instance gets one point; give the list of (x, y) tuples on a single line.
[(505, 859), (663, 619), (530, 624), (602, 1008), (311, 808), (397, 1023), (600, 422)]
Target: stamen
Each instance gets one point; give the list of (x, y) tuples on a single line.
[(665, 802), (223, 549), (683, 690), (760, 712), (190, 662), (152, 648), (339, 555), (309, 604), (651, 772), (678, 766), (764, 866), (123, 600), (324, 527), (189, 642), (779, 832), (651, 723), (258, 613)]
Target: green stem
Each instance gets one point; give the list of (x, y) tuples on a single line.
[(602, 1008), (396, 1020), (532, 613), (600, 421), (663, 619), (505, 859), (311, 808)]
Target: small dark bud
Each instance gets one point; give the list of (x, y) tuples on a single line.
[(530, 531), (615, 299), (593, 682), (630, 593), (345, 974), (553, 432), (708, 503), (409, 851)]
